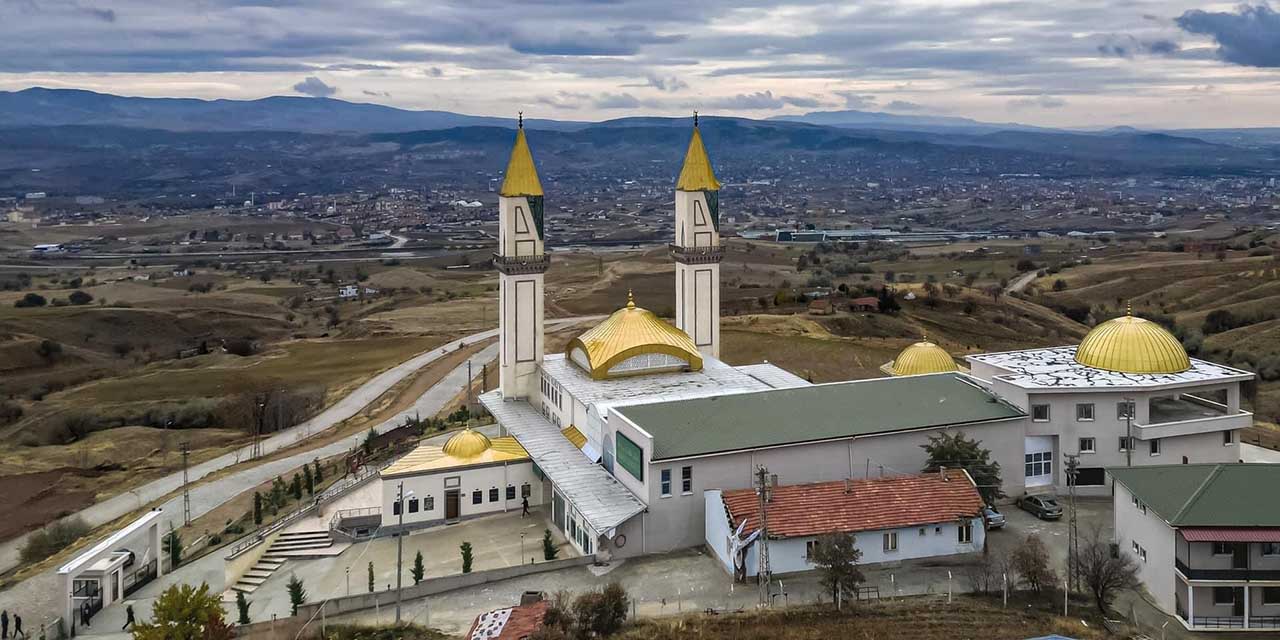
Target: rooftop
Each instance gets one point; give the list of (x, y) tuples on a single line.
[(812, 413), (629, 332), (1206, 495), (430, 457), (1056, 368), (511, 623), (804, 510)]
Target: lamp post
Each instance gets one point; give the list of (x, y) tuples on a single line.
[(400, 497), (521, 547)]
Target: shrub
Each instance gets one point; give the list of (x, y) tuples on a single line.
[(55, 537), (9, 412), (78, 297), (467, 556), (49, 349), (549, 548), (31, 300)]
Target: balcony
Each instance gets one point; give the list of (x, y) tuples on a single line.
[(696, 255), (1236, 575), (1189, 414), (521, 265)]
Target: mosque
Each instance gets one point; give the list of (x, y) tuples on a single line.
[(637, 432)]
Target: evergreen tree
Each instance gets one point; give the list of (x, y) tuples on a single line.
[(466, 557), (242, 605), (318, 473), (184, 612), (309, 480), (419, 571), (297, 594), (955, 451), (837, 557), (295, 487), (257, 507), (549, 548), (371, 577), (173, 547)]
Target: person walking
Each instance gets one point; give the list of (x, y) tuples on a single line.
[(128, 617), (524, 506), (4, 623), (17, 626), (84, 615)]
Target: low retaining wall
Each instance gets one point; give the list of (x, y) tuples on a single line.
[(433, 586)]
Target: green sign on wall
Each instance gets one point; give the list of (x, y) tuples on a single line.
[(630, 456)]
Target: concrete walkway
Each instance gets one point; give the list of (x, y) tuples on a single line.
[(40, 595)]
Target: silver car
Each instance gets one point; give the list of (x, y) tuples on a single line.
[(995, 519)]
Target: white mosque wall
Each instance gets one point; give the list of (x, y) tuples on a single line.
[(430, 489)]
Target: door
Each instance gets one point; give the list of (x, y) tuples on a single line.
[(1240, 556), (1237, 607), (451, 504)]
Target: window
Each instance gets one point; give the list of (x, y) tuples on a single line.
[(686, 480), (1222, 548), (1271, 595), (1039, 413), (1228, 437), (810, 547), (1088, 445), (1091, 477), (1126, 443), (413, 505), (629, 456), (477, 497), (922, 531), (1143, 553), (1084, 412), (1271, 548), (493, 494), (1224, 595), (429, 503), (1038, 464), (395, 508), (511, 492), (526, 490), (1135, 547), (891, 541), (666, 483), (966, 532), (1125, 410), (1155, 446)]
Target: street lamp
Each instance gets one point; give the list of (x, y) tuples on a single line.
[(521, 547), (400, 498)]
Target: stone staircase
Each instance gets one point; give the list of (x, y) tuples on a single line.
[(290, 544)]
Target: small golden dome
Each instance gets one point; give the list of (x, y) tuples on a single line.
[(1130, 344), (467, 444), (630, 331), (923, 357)]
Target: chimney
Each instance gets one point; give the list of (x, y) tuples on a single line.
[(942, 473), (848, 486), (530, 597)]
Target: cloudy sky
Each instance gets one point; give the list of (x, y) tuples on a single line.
[(1066, 62)]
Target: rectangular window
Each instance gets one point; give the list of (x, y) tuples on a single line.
[(686, 480), (1126, 443), (1124, 410), (1271, 595), (966, 532), (413, 505), (1228, 437), (1222, 548), (1271, 548), (1154, 446), (1143, 552), (493, 494), (1038, 464), (1135, 547), (1088, 445), (1091, 477), (1084, 412), (1039, 413), (630, 457), (429, 503), (1224, 595), (665, 474), (891, 541), (477, 497), (526, 490), (511, 492), (810, 547), (395, 508)]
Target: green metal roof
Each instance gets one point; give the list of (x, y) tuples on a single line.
[(819, 412), (1207, 495)]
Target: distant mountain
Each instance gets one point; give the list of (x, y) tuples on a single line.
[(854, 119), (58, 107)]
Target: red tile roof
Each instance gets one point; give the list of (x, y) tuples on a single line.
[(1230, 534), (521, 623), (804, 510)]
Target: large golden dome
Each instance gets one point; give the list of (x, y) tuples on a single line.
[(467, 444), (1130, 344), (921, 358), (630, 332)]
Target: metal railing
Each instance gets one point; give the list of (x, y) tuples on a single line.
[(342, 514), (1219, 622), (1243, 574), (696, 255), (521, 264)]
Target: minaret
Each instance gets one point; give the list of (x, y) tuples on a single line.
[(697, 248), (520, 261)]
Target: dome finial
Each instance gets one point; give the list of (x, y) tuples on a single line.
[(631, 300), (1128, 308), (520, 119), (695, 118)]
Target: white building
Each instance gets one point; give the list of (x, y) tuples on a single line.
[(1206, 538), (112, 569)]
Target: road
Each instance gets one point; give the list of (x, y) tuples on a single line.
[(1019, 283), (117, 506)]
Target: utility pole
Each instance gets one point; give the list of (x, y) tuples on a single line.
[(470, 386), (1073, 534), (764, 491), (186, 493), (399, 547)]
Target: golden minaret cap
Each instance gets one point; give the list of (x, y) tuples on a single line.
[(521, 178), (696, 175)]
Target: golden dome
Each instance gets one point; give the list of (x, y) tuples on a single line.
[(923, 357), (521, 178), (466, 444), (696, 174), (1130, 344), (629, 332)]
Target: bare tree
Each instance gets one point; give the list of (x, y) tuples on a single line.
[(1031, 563), (1102, 572), (985, 576)]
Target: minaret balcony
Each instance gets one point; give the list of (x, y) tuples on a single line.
[(521, 265), (696, 255)]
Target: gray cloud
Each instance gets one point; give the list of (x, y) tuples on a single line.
[(671, 83), (1250, 37), (903, 105), (1038, 102), (762, 100), (855, 100), (1129, 46), (315, 87), (376, 94), (620, 41)]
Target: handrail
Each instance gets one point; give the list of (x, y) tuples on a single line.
[(342, 514)]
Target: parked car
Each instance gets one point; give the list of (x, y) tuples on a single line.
[(1043, 507), (995, 519)]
